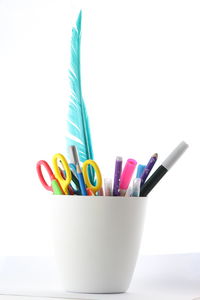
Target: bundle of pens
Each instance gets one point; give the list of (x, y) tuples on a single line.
[(74, 180), (140, 186), (71, 179)]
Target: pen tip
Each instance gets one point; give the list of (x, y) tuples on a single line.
[(155, 155)]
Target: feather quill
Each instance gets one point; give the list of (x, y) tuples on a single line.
[(78, 123)]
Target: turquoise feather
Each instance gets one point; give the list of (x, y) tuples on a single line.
[(78, 123)]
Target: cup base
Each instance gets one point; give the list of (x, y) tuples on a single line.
[(95, 292)]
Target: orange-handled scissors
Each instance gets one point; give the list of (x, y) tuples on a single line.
[(64, 182)]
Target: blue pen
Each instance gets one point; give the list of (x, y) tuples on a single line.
[(140, 170), (81, 180)]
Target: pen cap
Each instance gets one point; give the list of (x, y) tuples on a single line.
[(174, 156), (108, 186), (127, 173), (136, 187), (140, 170), (73, 154)]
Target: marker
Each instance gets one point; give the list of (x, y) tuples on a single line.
[(163, 169), (108, 186), (81, 180), (148, 168), (127, 175), (140, 170), (135, 190), (118, 170), (75, 160), (57, 190)]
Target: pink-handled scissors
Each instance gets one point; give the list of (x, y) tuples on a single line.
[(55, 186)]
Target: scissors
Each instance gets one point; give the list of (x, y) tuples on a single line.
[(74, 176), (55, 185), (93, 188), (64, 182), (74, 187), (59, 185)]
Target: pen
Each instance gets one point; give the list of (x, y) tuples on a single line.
[(136, 187), (75, 160), (163, 169), (127, 175), (57, 190), (135, 191), (148, 168), (81, 180), (140, 170), (108, 186), (118, 170)]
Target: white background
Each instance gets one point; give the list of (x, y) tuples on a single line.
[(140, 79)]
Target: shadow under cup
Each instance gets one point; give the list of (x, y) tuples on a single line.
[(96, 241)]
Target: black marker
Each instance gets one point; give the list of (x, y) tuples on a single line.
[(163, 169)]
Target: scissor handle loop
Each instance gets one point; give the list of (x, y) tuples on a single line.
[(98, 185), (64, 182), (39, 165)]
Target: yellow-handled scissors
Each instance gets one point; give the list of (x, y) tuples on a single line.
[(64, 182), (88, 183)]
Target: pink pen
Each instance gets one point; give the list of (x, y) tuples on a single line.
[(127, 175)]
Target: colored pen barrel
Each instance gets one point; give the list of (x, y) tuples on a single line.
[(127, 175), (152, 181), (148, 168), (140, 170), (118, 170), (163, 169), (56, 187), (81, 181)]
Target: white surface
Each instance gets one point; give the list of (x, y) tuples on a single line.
[(12, 297), (7, 297), (97, 241), (140, 71), (171, 277)]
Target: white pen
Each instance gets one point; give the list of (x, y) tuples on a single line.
[(135, 192), (163, 169), (107, 186)]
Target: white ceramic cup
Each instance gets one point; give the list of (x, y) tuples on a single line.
[(97, 240)]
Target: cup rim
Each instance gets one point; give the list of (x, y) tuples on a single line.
[(97, 197)]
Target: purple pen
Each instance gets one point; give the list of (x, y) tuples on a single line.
[(118, 170), (148, 168)]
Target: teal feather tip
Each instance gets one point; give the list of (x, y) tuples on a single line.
[(78, 133)]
